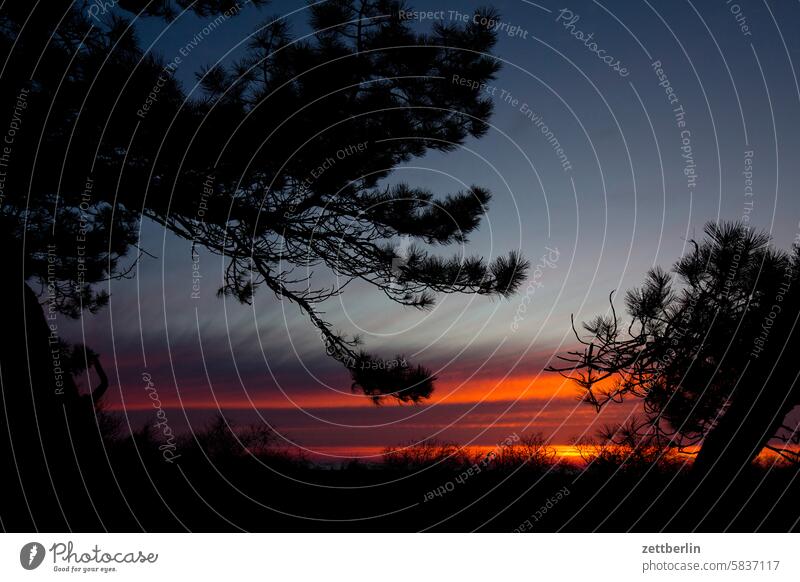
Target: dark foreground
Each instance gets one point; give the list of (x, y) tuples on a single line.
[(220, 480)]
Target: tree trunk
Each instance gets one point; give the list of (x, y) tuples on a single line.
[(40, 440), (750, 422), (740, 436)]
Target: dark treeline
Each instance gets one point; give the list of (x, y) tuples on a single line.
[(228, 478)]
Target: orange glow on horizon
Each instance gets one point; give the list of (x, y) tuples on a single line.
[(523, 387)]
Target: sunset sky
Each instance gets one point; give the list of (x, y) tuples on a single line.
[(623, 205)]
